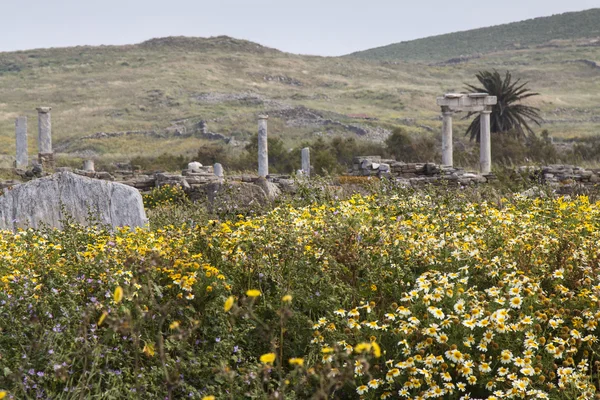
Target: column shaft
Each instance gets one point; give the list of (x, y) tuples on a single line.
[(44, 130), (485, 150), (263, 150), (447, 151), (306, 161), (21, 137), (218, 170)]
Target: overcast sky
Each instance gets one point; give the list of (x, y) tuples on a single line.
[(320, 27)]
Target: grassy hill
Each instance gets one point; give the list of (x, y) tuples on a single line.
[(117, 102), (544, 31)]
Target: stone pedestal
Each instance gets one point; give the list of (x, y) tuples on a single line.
[(263, 150), (447, 137), (306, 161), (46, 160), (88, 165), (485, 150), (218, 170), (21, 137), (45, 153)]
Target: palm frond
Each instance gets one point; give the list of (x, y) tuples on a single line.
[(507, 115)]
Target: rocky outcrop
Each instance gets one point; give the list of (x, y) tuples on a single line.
[(50, 200)]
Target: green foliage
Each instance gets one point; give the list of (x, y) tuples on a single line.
[(164, 162), (211, 154), (507, 115), (165, 195), (509, 151), (404, 148)]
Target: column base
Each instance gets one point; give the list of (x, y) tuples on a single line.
[(46, 160)]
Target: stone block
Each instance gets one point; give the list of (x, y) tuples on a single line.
[(46, 200)]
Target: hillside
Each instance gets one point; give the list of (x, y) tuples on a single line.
[(117, 102), (532, 33)]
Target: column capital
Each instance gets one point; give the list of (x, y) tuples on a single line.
[(44, 110), (446, 110), (487, 110), (263, 116)]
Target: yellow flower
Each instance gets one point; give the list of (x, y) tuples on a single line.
[(102, 318), (253, 293), (268, 358), (2, 394), (287, 298), (209, 398), (149, 349), (376, 349), (118, 296), (362, 347), (296, 361), (327, 350), (229, 303), (174, 325)]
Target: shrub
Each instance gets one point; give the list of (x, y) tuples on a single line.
[(164, 196)]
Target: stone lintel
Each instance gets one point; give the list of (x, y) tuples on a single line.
[(44, 110), (475, 95), (466, 102)]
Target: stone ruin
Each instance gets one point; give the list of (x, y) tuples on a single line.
[(19, 206), (414, 174), (471, 102)]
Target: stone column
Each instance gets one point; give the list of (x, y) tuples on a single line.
[(447, 136), (88, 165), (21, 134), (306, 161), (485, 151), (45, 154), (263, 150), (218, 170)]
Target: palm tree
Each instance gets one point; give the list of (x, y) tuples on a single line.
[(507, 116)]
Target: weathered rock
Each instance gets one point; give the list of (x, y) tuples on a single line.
[(49, 200), (270, 189), (231, 196), (194, 165)]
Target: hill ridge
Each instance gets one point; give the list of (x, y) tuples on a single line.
[(515, 35)]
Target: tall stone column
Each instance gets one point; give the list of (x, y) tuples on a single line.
[(447, 158), (45, 154), (485, 150), (306, 161), (21, 137), (263, 150)]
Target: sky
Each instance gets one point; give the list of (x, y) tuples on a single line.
[(317, 27)]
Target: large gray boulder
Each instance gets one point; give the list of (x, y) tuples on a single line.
[(47, 201), (270, 189), (231, 196)]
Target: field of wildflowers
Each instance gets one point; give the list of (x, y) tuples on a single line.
[(399, 295)]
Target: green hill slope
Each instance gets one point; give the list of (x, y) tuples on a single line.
[(518, 35)]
